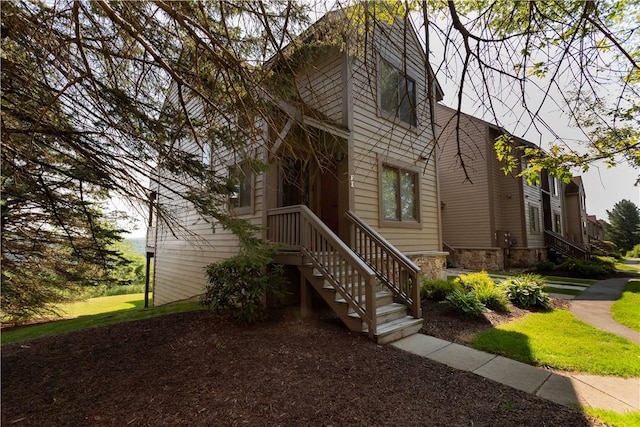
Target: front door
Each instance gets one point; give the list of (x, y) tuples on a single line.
[(329, 198)]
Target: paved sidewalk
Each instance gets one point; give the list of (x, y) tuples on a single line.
[(611, 393), (593, 306)]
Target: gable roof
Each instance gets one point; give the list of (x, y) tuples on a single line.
[(324, 31)]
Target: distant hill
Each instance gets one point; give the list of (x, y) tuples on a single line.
[(139, 245)]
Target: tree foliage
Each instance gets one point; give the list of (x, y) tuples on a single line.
[(624, 225), (518, 64), (84, 86)]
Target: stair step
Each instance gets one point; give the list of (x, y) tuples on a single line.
[(382, 298), (387, 313), (396, 329)]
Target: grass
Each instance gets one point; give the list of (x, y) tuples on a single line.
[(96, 312), (557, 339), (626, 310), (615, 419), (628, 268), (560, 279)]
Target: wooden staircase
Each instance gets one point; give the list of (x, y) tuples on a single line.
[(563, 248), (371, 286)]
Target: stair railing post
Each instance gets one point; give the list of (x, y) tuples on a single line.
[(415, 294), (303, 227), (370, 304)]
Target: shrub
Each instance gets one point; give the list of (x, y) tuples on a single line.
[(466, 303), (437, 289), (545, 266), (596, 266), (492, 296), (237, 285), (468, 282), (527, 290)]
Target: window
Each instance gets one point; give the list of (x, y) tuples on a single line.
[(534, 219), (397, 93), (241, 200), (399, 196), (555, 186), (557, 224), (206, 155)]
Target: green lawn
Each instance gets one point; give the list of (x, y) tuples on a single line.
[(96, 312), (615, 419), (634, 269), (557, 339), (626, 310)]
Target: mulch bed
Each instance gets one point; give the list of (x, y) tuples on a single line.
[(198, 368)]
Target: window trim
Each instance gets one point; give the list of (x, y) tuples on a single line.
[(243, 210), (400, 166), (555, 186), (557, 225), (534, 230), (394, 116), (207, 146)]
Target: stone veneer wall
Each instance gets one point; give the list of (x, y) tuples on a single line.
[(432, 264), (478, 258), (526, 257)]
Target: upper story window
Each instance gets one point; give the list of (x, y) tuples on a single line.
[(555, 186), (206, 155), (534, 219), (399, 196), (397, 93), (241, 200), (557, 223)]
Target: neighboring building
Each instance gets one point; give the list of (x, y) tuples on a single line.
[(576, 212), (490, 220), (365, 197), (595, 228)]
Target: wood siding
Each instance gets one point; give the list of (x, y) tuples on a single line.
[(185, 249), (320, 84), (375, 137), (329, 85), (466, 203)]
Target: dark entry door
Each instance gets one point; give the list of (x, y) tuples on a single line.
[(329, 198)]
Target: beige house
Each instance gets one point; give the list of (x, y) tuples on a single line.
[(490, 220), (349, 193)]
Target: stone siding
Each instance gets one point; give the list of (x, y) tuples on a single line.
[(433, 266), (526, 257), (478, 259)]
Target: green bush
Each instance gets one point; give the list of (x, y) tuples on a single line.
[(466, 303), (468, 282), (595, 267), (527, 290), (545, 266), (437, 289), (237, 285), (492, 296)]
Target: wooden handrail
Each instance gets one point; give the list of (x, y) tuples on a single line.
[(296, 227), (448, 248), (393, 268), (559, 243)]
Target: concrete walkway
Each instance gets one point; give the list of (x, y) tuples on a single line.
[(593, 306), (610, 393)]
